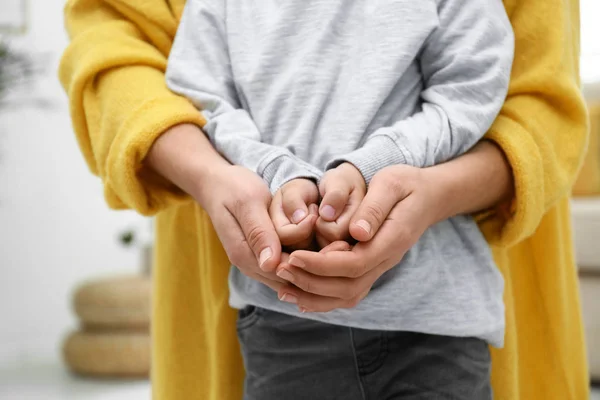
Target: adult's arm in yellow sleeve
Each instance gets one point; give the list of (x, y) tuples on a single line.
[(113, 72), (542, 127)]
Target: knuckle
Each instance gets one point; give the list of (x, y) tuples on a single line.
[(305, 285), (375, 211), (302, 283), (256, 237), (396, 187)]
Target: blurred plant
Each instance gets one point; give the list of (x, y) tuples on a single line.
[(127, 238), (17, 70), (139, 238)]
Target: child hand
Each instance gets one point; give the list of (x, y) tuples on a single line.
[(294, 212), (342, 190)]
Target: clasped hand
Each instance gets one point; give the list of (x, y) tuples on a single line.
[(320, 257)]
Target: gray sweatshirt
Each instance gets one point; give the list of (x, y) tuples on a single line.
[(290, 89)]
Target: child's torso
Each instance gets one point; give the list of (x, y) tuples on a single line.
[(319, 76)]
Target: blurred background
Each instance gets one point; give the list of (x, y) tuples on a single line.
[(62, 251)]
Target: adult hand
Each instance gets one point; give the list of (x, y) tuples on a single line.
[(237, 201), (400, 205), (235, 198)]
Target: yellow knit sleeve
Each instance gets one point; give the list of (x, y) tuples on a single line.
[(542, 127), (113, 72)]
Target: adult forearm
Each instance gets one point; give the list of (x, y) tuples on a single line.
[(478, 180), (183, 155)]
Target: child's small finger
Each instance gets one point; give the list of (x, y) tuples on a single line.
[(334, 201), (292, 234), (339, 245), (342, 223), (276, 212), (331, 231)]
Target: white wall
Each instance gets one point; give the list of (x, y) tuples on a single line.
[(55, 229), (590, 45)]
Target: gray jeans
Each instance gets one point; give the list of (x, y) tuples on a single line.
[(295, 359)]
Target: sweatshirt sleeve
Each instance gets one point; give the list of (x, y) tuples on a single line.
[(543, 126), (199, 69), (465, 63), (113, 73)]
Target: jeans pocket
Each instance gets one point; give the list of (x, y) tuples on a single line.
[(247, 317)]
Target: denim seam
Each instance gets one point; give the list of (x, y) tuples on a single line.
[(358, 377)]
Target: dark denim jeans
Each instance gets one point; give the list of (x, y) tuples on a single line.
[(296, 359)]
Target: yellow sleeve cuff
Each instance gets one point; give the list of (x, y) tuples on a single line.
[(510, 223), (127, 183)]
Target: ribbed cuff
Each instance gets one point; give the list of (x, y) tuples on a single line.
[(378, 152), (285, 167)]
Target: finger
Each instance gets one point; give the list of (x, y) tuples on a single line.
[(335, 193), (293, 234), (351, 264), (275, 283), (322, 242), (373, 210), (276, 212), (399, 232), (313, 209), (260, 234), (339, 245), (233, 240), (309, 302), (328, 232), (339, 229), (296, 197), (294, 206), (343, 288)]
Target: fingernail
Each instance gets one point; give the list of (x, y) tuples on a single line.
[(298, 215), (327, 212), (264, 256), (296, 262), (365, 225), (285, 274), (288, 298)]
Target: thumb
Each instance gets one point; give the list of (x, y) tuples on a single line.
[(373, 211), (335, 193), (260, 235), (294, 206)]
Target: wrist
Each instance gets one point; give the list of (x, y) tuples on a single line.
[(478, 180), (440, 193), (354, 174), (184, 156)]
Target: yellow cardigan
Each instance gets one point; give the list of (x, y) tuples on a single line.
[(113, 71)]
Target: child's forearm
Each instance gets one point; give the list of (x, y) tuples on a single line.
[(466, 64)]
